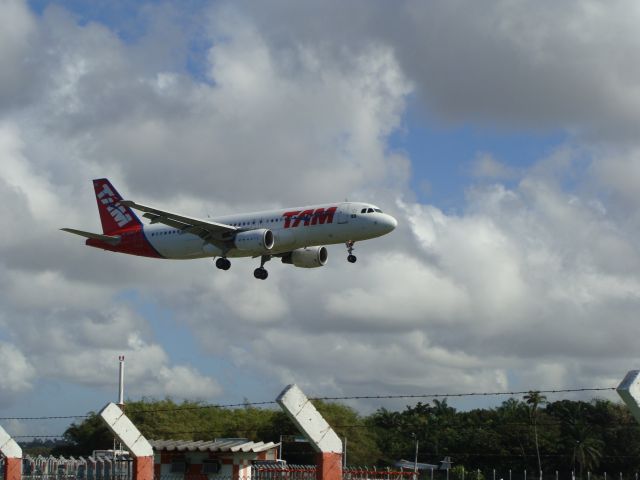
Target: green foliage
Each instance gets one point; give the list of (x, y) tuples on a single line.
[(91, 434), (564, 435), (460, 473), (42, 447), (362, 448)]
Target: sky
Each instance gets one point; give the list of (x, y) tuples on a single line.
[(503, 136)]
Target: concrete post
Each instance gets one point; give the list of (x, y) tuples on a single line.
[(13, 456), (629, 391), (316, 430), (132, 439)]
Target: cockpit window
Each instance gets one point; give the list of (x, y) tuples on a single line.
[(370, 210)]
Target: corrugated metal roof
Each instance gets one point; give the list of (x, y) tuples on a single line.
[(218, 445)]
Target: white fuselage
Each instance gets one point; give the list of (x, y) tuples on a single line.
[(292, 228)]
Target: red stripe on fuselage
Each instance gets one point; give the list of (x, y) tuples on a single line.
[(132, 241)]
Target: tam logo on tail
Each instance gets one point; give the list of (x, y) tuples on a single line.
[(118, 212), (112, 215)]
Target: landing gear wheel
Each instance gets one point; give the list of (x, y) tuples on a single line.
[(351, 258), (223, 264), (260, 273)]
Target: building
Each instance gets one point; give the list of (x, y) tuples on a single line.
[(231, 458)]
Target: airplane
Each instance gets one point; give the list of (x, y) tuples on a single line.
[(295, 235), (445, 464)]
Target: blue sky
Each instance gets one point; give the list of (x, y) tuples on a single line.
[(442, 156), (507, 152)]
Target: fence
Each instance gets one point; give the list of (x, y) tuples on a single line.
[(368, 473), (52, 468), (90, 468), (460, 473), (283, 472)]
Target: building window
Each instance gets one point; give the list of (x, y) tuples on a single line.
[(210, 466), (178, 465)]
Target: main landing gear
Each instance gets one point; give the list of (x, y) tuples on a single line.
[(223, 263), (261, 273), (351, 258)]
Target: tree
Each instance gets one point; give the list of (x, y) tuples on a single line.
[(511, 426), (579, 435), (587, 450), (347, 423), (534, 399), (83, 438)]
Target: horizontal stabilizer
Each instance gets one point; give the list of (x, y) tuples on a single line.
[(110, 239)]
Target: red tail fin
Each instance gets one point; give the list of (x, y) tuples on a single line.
[(113, 216)]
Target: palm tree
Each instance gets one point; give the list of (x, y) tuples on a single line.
[(512, 413), (534, 399), (586, 444), (587, 450)]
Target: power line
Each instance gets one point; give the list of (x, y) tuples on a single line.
[(473, 394), (54, 417), (351, 397)]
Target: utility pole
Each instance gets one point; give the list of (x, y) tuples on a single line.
[(415, 460), (344, 453)]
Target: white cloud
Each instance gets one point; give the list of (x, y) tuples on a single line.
[(18, 33), (486, 166), (504, 295), (513, 287), (18, 373), (398, 292), (183, 382), (518, 65)]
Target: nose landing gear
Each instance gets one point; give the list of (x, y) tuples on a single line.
[(261, 273), (351, 258)]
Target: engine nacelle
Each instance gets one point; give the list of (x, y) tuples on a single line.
[(254, 240), (309, 257)]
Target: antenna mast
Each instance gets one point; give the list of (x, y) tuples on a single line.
[(121, 383)]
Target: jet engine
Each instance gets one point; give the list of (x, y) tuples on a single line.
[(254, 240), (309, 257)]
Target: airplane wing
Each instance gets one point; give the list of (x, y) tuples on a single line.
[(216, 233), (111, 239)]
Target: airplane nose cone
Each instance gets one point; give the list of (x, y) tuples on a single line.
[(390, 223), (393, 223)]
